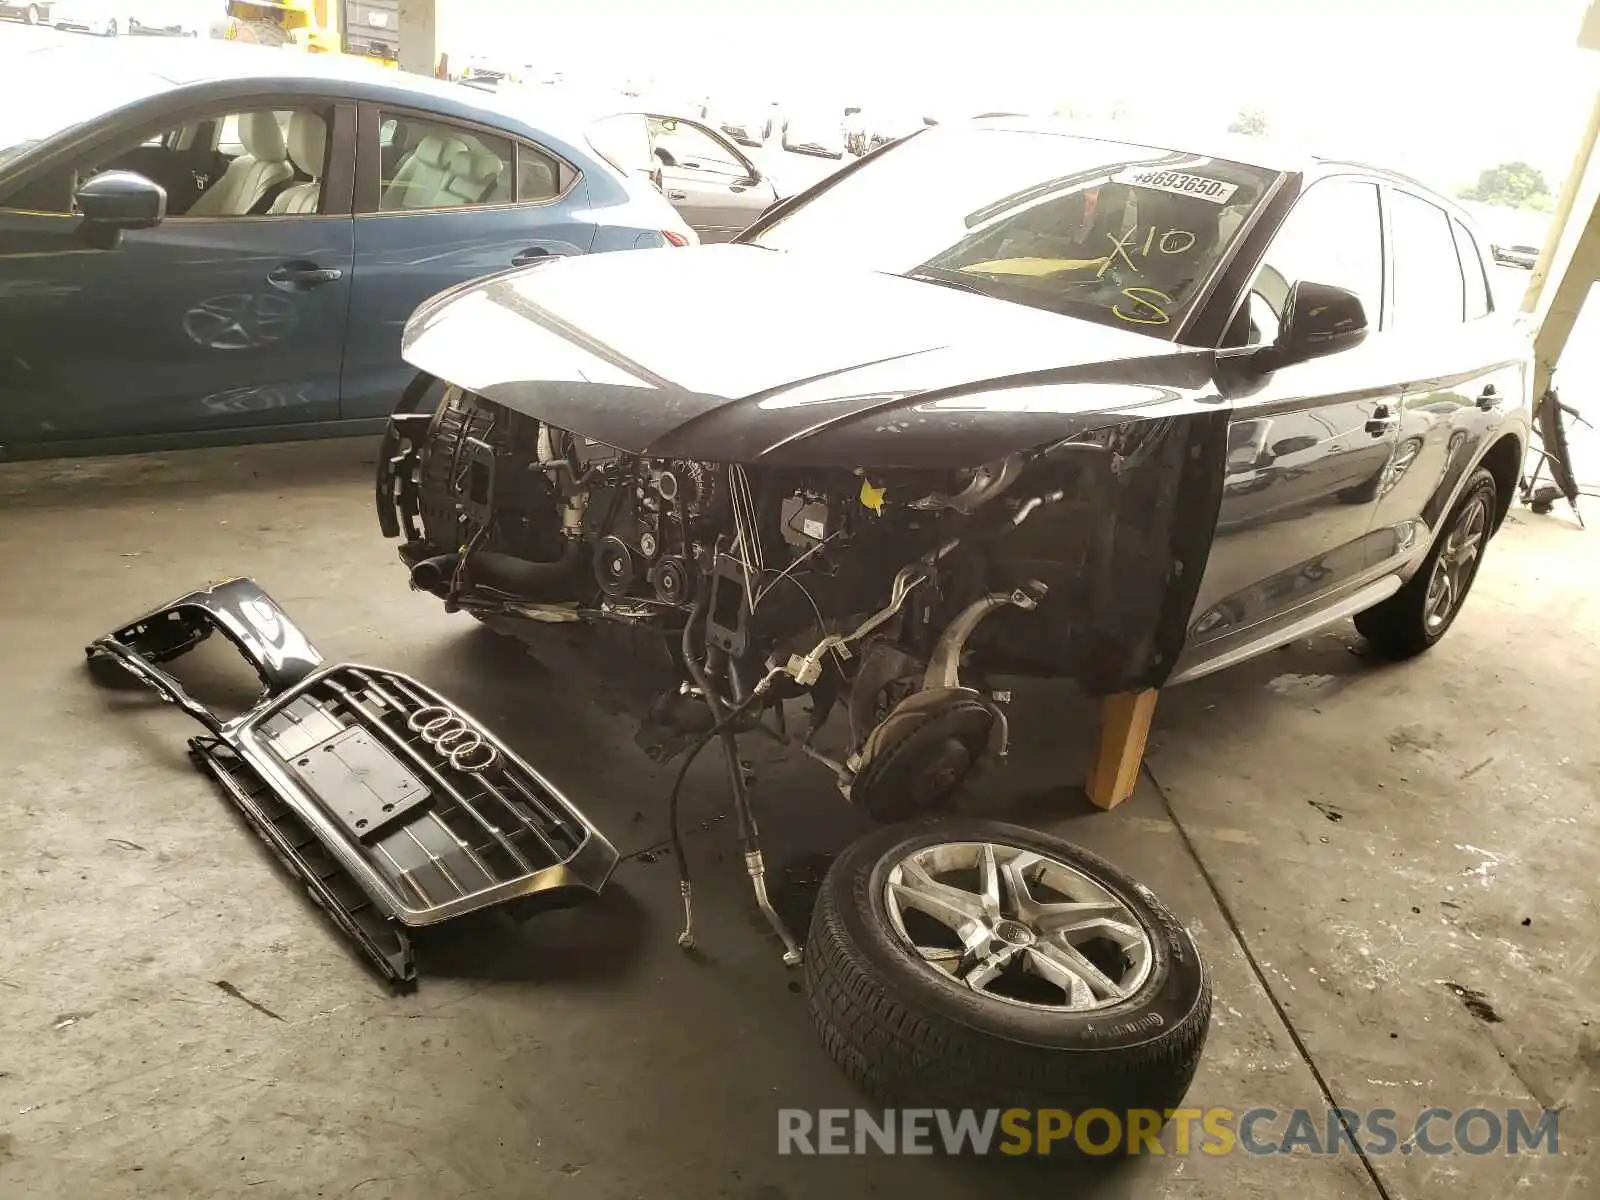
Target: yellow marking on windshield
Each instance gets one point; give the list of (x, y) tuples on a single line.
[(1146, 310), (1033, 266)]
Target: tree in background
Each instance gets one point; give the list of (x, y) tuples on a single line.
[(1511, 185), (1251, 122)]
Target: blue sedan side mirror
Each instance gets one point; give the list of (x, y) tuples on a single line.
[(117, 200)]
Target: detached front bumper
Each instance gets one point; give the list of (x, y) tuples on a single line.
[(394, 807)]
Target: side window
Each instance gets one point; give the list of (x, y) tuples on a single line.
[(538, 176), (1478, 302), (1428, 288), (229, 164), (430, 164), (1333, 235), (679, 144)]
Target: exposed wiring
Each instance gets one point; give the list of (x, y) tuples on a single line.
[(784, 573), (747, 540), (461, 566)]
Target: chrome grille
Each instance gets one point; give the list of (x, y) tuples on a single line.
[(481, 828)]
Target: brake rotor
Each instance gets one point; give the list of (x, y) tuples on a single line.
[(914, 761)]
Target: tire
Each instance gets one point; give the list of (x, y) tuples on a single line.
[(1552, 424), (260, 33), (31, 15), (1405, 624), (905, 1031)]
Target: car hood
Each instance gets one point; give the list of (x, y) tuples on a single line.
[(740, 354)]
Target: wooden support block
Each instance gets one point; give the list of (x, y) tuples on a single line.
[(1119, 747)]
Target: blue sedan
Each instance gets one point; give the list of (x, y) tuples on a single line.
[(207, 244)]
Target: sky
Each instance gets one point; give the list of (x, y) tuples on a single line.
[(1438, 88)]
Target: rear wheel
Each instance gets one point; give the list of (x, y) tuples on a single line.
[(1421, 612), (260, 33), (974, 965)]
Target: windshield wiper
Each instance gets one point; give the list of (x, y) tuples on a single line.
[(945, 278)]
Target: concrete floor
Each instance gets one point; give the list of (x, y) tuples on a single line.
[(1373, 838)]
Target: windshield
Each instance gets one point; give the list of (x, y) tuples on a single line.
[(1120, 234), (59, 97)]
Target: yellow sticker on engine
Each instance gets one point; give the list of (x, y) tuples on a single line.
[(872, 496)]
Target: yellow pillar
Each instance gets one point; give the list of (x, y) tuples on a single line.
[(1569, 261)]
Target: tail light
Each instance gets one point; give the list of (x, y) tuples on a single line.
[(674, 238)]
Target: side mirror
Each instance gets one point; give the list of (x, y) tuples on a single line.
[(1318, 319), (114, 201)]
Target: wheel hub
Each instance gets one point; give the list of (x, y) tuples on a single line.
[(1455, 566), (1014, 933)]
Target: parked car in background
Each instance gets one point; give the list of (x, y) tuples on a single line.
[(106, 18), (772, 127), (743, 121), (491, 74), (171, 18), (886, 124), (815, 132), (242, 237), (714, 186), (29, 12), (1516, 256), (855, 130)]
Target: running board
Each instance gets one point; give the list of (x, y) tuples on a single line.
[(1374, 593)]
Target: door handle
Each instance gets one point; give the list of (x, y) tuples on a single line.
[(1382, 421), (1488, 399), (302, 277), (677, 194), (529, 256)]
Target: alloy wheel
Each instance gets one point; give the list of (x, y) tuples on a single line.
[(1456, 564), (1017, 926)]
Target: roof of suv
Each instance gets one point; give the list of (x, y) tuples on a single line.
[(1254, 151)]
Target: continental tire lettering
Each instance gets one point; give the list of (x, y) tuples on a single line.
[(1146, 309)]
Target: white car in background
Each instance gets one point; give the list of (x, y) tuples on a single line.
[(109, 18), (103, 17), (818, 133), (29, 12)]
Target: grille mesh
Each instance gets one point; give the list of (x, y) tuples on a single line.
[(479, 830)]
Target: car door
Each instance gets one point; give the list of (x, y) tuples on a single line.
[(1307, 444), (714, 187), (1463, 368), (440, 202), (200, 325)]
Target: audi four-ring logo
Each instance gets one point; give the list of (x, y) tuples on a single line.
[(448, 733)]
